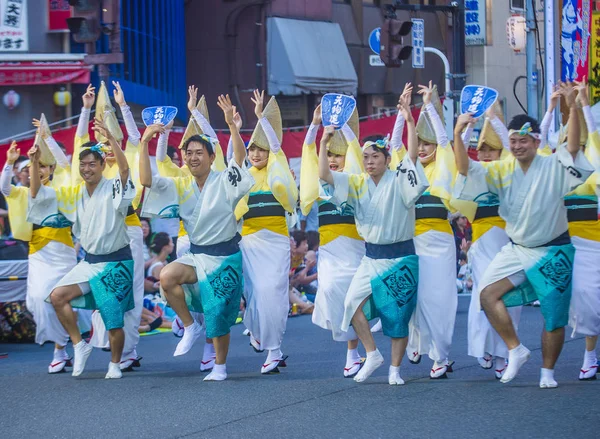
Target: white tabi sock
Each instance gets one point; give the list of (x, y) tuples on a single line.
[(352, 357), (547, 380), (60, 354), (517, 357), (274, 354), (82, 351), (589, 359), (114, 371), (394, 376), (190, 335), (208, 357), (219, 373), (374, 360)]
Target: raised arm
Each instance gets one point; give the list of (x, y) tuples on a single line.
[(568, 92), (133, 134), (237, 120), (274, 143), (163, 143), (11, 157), (84, 118), (35, 181), (460, 152), (239, 150), (547, 120), (324, 171), (120, 158), (145, 168), (61, 159), (438, 125), (313, 129), (396, 139), (404, 108), (584, 100)]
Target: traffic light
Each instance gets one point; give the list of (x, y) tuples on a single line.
[(392, 49), (85, 21)]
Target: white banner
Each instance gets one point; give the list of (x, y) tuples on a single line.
[(475, 32), (13, 26)]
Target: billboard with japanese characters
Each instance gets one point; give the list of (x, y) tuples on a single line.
[(13, 26), (575, 39)]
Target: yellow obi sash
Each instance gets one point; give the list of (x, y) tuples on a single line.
[(132, 219), (424, 225), (330, 232), (589, 230), (42, 236), (483, 225), (182, 231), (277, 224)]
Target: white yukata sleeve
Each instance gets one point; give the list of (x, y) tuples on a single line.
[(545, 128), (61, 159), (311, 134), (501, 131), (5, 180), (571, 173), (347, 132), (411, 179), (162, 145), (466, 135), (122, 194), (472, 185), (133, 134), (438, 125), (204, 124), (237, 182), (83, 123), (396, 140), (42, 206), (161, 199), (274, 143), (342, 191)]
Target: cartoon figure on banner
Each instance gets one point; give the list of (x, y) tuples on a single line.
[(573, 48)]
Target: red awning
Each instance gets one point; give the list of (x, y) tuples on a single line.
[(44, 72)]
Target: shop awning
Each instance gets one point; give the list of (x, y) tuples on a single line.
[(308, 57), (43, 71)]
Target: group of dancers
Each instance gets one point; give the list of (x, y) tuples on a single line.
[(386, 247)]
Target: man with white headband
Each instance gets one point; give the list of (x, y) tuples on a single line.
[(538, 262), (97, 207)]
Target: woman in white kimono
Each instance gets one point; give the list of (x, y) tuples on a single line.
[(212, 269), (432, 324), (584, 228), (104, 279), (537, 263), (265, 239), (341, 248), (386, 282), (489, 237), (198, 124), (105, 112), (51, 252)]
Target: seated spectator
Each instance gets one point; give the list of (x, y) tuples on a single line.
[(303, 306), (464, 283), (299, 248), (312, 239), (161, 247), (463, 235), (147, 235)]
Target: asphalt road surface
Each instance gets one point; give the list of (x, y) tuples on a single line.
[(166, 397)]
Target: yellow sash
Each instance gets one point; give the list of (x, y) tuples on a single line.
[(427, 224), (332, 231), (277, 224), (43, 236), (483, 225), (589, 230)]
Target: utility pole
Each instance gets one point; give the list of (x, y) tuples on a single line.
[(532, 73)]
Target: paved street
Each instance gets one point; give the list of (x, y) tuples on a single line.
[(166, 397)]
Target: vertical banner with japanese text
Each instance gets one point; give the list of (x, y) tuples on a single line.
[(594, 78), (475, 22), (13, 26), (574, 39)]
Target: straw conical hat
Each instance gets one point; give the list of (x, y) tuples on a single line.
[(425, 130), (338, 145), (273, 115), (193, 129), (46, 156), (105, 112), (583, 131), (488, 135)]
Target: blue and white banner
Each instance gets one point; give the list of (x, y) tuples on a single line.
[(337, 109), (476, 99), (162, 115), (475, 20)]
